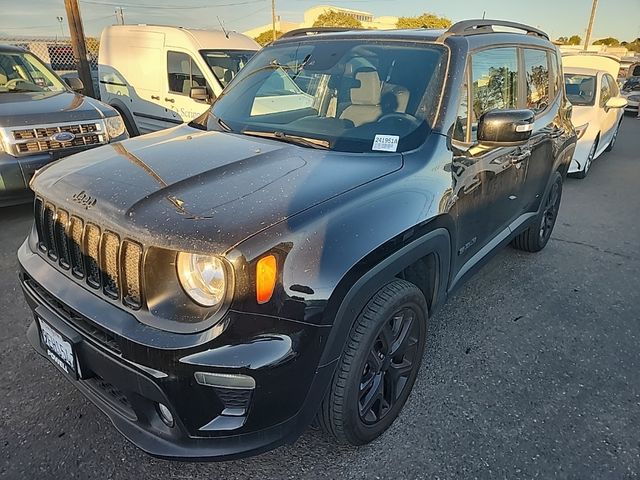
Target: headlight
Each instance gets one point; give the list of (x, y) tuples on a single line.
[(203, 278), (115, 126), (581, 129)]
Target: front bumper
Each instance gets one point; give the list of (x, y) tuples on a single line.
[(127, 379), (581, 153), (15, 174)]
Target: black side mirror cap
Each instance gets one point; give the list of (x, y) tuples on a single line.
[(505, 127), (75, 84), (199, 93)]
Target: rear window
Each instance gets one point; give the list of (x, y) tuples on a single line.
[(581, 89)]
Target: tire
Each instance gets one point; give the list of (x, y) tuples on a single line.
[(587, 164), (536, 237), (614, 138), (368, 373)]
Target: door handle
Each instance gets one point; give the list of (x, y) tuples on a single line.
[(520, 155), (170, 100), (155, 97)]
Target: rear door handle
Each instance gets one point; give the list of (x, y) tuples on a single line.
[(170, 100), (155, 97), (520, 155)]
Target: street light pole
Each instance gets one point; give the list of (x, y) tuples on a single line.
[(273, 19), (60, 19), (587, 38)]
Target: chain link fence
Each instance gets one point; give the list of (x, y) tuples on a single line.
[(58, 53)]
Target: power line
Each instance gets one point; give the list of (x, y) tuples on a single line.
[(169, 7)]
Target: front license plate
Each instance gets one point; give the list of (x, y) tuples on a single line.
[(59, 349)]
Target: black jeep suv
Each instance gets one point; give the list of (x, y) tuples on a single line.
[(215, 287)]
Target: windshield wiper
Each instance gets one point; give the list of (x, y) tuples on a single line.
[(294, 139)]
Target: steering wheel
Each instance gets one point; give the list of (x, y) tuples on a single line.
[(403, 117), (26, 84)]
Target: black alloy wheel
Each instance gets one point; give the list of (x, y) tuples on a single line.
[(536, 237), (378, 366), (550, 212), (389, 364)]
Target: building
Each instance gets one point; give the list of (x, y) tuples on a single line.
[(311, 15)]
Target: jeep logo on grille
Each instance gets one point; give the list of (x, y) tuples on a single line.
[(84, 199), (63, 137)]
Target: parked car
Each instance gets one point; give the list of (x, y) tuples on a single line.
[(597, 107), (43, 119), (631, 91), (629, 67), (169, 75), (214, 287)]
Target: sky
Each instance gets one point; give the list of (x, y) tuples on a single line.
[(616, 18)]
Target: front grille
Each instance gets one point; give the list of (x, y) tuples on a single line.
[(112, 395), (40, 139), (634, 98), (99, 258)]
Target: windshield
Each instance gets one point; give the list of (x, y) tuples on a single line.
[(226, 63), (353, 95), (23, 72), (581, 89)]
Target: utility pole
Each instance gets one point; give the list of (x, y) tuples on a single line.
[(273, 19), (587, 38), (119, 16), (79, 47)]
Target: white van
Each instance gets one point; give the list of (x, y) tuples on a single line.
[(160, 76)]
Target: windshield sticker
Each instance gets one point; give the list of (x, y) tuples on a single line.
[(385, 143)]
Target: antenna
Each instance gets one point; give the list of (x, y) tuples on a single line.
[(226, 34)]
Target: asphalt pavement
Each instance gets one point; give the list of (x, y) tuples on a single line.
[(532, 369)]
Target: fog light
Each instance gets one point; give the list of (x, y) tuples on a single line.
[(165, 415)]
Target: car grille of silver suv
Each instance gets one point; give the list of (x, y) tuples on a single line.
[(97, 257), (43, 138)]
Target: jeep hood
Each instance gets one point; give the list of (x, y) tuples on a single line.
[(189, 189)]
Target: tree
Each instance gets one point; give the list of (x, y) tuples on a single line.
[(332, 18), (426, 20), (562, 40), (575, 40), (266, 37), (609, 42)]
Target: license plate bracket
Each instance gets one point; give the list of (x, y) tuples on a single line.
[(59, 348)]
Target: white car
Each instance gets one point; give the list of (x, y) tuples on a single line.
[(597, 107)]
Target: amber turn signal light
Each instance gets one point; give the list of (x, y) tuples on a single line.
[(266, 274)]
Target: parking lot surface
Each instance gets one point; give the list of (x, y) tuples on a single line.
[(532, 369)]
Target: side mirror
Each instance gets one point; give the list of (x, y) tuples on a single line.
[(616, 102), (505, 127), (75, 84), (199, 93)]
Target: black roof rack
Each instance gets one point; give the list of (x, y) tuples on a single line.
[(475, 27), (303, 32)]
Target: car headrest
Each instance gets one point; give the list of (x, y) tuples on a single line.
[(368, 93)]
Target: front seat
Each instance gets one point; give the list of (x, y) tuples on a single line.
[(365, 99)]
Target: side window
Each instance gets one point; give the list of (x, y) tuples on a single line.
[(494, 82), (183, 73), (537, 76), (557, 82), (461, 126), (605, 91)]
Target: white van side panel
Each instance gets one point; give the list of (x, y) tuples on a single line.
[(132, 67)]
